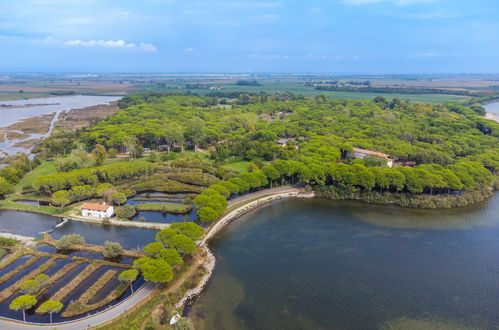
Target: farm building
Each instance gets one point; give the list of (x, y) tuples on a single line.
[(361, 153), (97, 210)]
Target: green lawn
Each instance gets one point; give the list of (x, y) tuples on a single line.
[(240, 166), (46, 167)]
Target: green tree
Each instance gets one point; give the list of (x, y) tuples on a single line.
[(32, 286), (207, 214), (171, 256), (112, 249), (23, 302), (183, 244), (190, 229), (118, 198), (152, 249), (137, 263), (165, 236), (100, 154), (68, 241), (5, 187), (51, 307), (126, 211), (129, 276), (157, 270), (61, 198)]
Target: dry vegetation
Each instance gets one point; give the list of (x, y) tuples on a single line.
[(80, 306)]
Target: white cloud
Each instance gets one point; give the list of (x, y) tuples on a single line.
[(189, 50), (111, 44)]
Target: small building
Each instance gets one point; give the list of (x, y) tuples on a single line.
[(284, 141), (95, 210), (361, 153)]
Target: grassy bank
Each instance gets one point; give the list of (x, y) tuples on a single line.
[(46, 167), (164, 207)]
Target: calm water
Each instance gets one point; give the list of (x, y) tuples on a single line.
[(32, 224), (43, 106), (492, 107), (318, 264)]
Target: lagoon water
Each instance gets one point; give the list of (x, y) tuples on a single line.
[(321, 264), (32, 224), (492, 107), (43, 106)]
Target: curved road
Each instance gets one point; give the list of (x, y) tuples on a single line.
[(265, 192), (90, 321)]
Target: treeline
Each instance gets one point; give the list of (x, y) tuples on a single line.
[(394, 90), (112, 173), (348, 181), (11, 174)]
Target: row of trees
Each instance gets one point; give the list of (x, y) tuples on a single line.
[(111, 173), (165, 253)]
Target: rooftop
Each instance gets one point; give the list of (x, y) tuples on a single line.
[(95, 206), (371, 152)]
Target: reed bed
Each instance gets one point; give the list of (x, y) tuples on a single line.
[(13, 272), (65, 290), (6, 293), (80, 306)]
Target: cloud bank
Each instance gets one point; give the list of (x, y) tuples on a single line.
[(92, 43)]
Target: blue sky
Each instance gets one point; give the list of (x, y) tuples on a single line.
[(349, 36)]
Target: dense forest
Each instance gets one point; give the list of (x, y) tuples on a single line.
[(448, 148)]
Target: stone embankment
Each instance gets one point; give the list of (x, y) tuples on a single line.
[(210, 259), (125, 223)]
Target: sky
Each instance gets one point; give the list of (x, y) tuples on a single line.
[(301, 36)]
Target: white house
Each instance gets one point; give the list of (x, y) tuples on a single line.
[(361, 153), (97, 210)]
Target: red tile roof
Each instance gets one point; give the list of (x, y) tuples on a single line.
[(95, 207)]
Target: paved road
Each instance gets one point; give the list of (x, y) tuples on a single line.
[(91, 321), (272, 191)]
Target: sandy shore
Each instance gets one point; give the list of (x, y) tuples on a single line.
[(492, 116)]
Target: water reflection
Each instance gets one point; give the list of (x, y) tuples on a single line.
[(320, 264)]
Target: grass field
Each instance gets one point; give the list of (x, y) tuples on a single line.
[(237, 165), (46, 167)]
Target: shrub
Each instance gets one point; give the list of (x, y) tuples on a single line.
[(126, 211), (7, 241), (68, 241), (112, 249)]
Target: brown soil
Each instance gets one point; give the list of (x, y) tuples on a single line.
[(85, 117)]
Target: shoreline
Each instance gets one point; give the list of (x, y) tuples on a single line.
[(492, 116)]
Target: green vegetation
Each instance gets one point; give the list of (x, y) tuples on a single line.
[(66, 242), (164, 207), (7, 241), (23, 302), (32, 286), (129, 276), (112, 249), (126, 211), (51, 307)]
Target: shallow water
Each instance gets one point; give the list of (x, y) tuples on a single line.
[(320, 264), (44, 106), (492, 107)]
